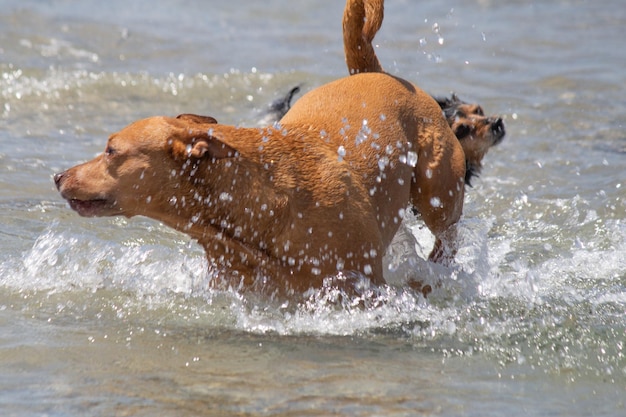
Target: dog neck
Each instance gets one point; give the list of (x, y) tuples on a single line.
[(235, 206)]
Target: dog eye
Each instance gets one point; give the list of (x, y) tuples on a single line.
[(479, 111), (109, 151)]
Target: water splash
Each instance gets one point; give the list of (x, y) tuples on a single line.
[(61, 261), (550, 312)]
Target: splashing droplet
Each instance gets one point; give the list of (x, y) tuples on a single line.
[(411, 158), (341, 151), (383, 162), (226, 197), (436, 202)]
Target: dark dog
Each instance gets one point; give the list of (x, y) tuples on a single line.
[(476, 132)]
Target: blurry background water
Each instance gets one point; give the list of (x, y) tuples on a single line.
[(114, 317)]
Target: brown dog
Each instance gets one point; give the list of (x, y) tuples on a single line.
[(476, 132), (283, 208)]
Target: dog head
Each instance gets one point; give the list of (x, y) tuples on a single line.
[(476, 132), (142, 167)]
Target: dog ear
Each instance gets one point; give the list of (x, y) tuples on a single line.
[(194, 143), (444, 102), (195, 139), (209, 146)]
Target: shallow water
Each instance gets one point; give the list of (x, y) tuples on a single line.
[(114, 317)]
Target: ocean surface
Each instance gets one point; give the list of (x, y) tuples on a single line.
[(114, 317)]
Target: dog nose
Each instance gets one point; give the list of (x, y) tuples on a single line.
[(58, 179), (498, 126)]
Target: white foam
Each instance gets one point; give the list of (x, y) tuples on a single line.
[(62, 261)]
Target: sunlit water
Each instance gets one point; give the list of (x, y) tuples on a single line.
[(114, 317)]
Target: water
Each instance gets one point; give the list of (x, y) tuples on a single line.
[(114, 317)]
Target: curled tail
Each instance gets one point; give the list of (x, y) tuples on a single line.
[(361, 21)]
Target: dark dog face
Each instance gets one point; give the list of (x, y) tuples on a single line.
[(476, 132)]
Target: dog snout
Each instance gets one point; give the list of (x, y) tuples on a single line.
[(498, 125), (497, 128), (58, 179)]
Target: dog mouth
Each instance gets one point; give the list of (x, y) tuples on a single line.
[(91, 208)]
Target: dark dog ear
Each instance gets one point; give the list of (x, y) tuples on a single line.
[(444, 102), (448, 103), (194, 118)]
